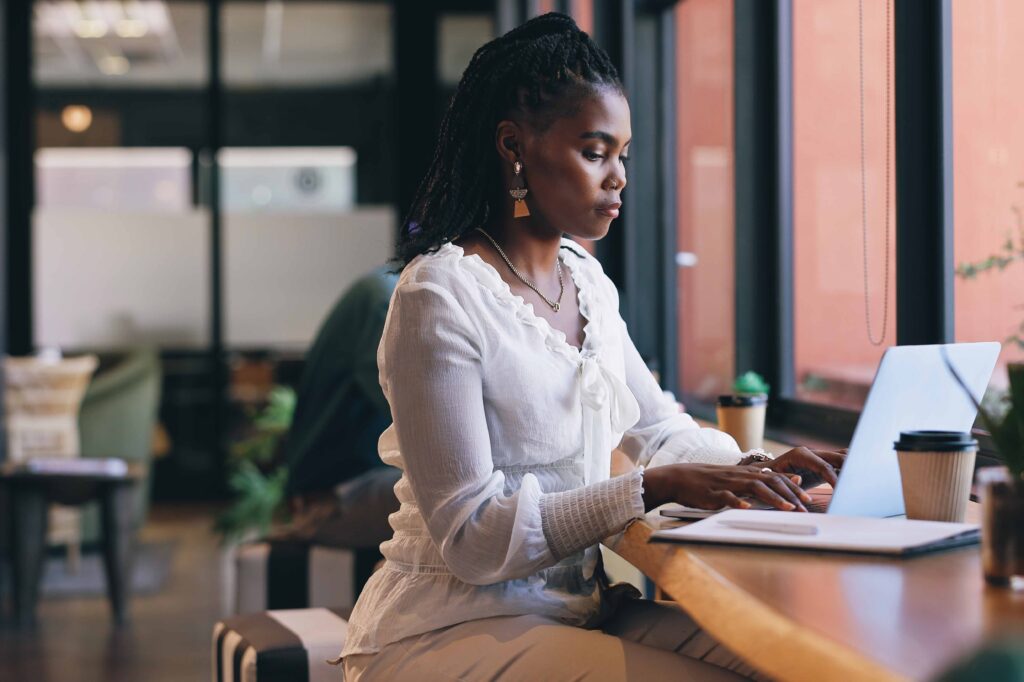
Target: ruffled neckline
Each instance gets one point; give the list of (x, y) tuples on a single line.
[(555, 340)]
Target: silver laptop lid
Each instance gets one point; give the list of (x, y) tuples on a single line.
[(912, 390)]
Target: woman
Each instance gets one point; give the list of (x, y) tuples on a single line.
[(511, 378)]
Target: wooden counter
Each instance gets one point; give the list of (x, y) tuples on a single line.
[(800, 615)]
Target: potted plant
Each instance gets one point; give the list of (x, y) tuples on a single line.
[(1002, 414), (751, 383), (1002, 488), (258, 476)]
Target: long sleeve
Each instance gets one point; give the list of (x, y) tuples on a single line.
[(664, 435), (432, 374)]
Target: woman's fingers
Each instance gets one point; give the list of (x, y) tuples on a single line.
[(785, 488), (761, 491), (726, 498), (835, 458), (805, 458), (793, 482)]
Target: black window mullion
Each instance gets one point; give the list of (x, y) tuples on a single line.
[(613, 30), (924, 172), (218, 360), (640, 225), (763, 191), (5, 98), (668, 346), (18, 173)]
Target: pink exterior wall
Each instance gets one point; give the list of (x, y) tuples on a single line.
[(833, 356), (988, 162), (705, 224)]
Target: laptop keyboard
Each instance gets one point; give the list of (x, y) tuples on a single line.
[(820, 499)]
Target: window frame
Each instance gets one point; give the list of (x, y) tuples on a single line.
[(923, 151), (763, 194)]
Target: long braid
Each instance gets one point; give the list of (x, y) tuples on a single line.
[(532, 70)]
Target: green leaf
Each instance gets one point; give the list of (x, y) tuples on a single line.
[(277, 416), (259, 498), (750, 382), (1006, 439)]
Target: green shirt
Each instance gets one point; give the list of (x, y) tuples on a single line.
[(340, 410)]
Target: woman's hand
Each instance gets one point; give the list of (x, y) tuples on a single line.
[(711, 486), (809, 465)]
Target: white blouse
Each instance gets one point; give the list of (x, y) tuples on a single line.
[(504, 432)]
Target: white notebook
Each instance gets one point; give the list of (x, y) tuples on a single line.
[(895, 536)]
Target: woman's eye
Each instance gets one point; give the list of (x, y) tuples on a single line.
[(623, 159), (591, 156)]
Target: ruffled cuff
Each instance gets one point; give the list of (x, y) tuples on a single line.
[(698, 446), (576, 519)]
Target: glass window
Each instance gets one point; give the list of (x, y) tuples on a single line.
[(306, 178), (988, 176), (118, 224), (119, 44), (458, 37), (301, 44), (704, 197), (117, 124), (121, 246), (843, 213)]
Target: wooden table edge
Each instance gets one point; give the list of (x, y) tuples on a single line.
[(780, 647)]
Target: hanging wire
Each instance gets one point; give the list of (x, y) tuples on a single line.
[(863, 175)]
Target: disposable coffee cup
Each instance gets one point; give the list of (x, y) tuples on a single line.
[(742, 417), (937, 468)]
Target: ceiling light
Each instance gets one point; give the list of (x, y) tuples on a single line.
[(113, 65), (90, 28), (131, 28), (76, 117)]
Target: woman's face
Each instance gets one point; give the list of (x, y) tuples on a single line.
[(575, 169)]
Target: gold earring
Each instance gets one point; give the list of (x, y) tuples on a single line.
[(520, 209)]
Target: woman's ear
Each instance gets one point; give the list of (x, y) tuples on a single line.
[(508, 139)]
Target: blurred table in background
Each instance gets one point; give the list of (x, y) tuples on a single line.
[(30, 494)]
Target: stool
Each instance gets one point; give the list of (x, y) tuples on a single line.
[(291, 645), (292, 575)]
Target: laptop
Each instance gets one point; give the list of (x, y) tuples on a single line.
[(913, 390)]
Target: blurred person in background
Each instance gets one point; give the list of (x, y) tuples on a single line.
[(340, 493)]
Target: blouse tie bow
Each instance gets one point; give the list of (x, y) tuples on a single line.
[(609, 409)]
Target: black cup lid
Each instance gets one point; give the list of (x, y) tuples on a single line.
[(935, 441), (742, 400)]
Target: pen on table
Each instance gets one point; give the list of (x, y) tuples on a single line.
[(772, 527)]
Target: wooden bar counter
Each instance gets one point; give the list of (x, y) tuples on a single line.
[(825, 616), (800, 615)]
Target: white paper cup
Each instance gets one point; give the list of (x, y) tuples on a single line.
[(742, 417), (937, 468)]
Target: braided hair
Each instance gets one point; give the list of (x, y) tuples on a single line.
[(537, 71)]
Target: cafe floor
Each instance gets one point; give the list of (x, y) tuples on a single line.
[(168, 636)]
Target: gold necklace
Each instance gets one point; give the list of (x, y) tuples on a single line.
[(554, 305)]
